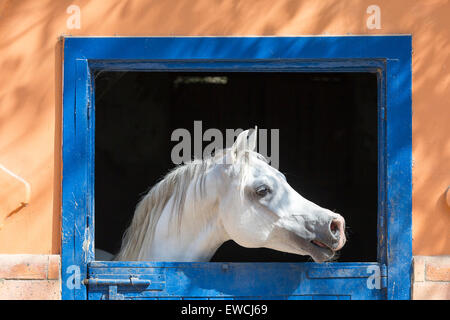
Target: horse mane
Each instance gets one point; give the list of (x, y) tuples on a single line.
[(175, 184)]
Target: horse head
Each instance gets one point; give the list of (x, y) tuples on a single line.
[(258, 207)]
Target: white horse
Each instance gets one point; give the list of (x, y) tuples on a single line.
[(234, 195)]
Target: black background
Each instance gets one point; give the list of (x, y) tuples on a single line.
[(328, 143)]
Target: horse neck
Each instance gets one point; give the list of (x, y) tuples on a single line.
[(196, 238)]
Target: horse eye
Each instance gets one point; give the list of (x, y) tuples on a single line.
[(262, 190)]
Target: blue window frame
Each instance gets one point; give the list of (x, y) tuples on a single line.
[(387, 56)]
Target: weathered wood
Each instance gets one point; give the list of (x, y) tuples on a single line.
[(388, 56)]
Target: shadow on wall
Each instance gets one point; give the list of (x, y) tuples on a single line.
[(30, 112), (30, 117)]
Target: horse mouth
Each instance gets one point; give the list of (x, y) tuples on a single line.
[(320, 244), (321, 252)]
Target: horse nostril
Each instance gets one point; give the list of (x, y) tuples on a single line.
[(336, 226), (337, 229)]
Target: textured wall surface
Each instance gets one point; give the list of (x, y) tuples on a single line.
[(431, 278), (30, 277), (30, 92)]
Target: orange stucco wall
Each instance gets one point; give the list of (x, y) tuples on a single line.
[(30, 91)]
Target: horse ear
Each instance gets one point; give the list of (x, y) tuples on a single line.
[(245, 141), (252, 139)]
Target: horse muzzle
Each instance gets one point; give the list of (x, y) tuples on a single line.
[(335, 238)]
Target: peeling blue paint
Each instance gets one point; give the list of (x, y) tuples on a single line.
[(388, 56)]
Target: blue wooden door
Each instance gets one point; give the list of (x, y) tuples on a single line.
[(295, 281), (387, 278)]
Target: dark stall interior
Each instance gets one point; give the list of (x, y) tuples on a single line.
[(328, 143)]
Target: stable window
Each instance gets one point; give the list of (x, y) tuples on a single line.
[(343, 102), (327, 135)]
